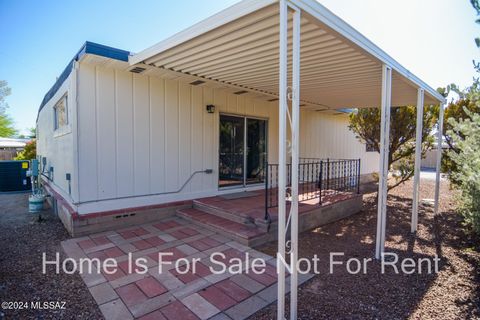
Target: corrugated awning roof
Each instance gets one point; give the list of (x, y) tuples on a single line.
[(239, 46)]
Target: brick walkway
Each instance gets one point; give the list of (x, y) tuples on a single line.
[(174, 294)]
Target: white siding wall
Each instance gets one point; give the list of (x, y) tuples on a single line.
[(327, 136), (143, 135), (58, 146)]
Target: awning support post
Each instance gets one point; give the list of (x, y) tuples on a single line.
[(439, 157), (295, 162), (384, 153), (282, 136), (418, 159)]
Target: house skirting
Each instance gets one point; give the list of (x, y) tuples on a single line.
[(84, 224)]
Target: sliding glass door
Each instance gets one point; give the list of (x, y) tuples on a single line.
[(232, 147), (242, 150)]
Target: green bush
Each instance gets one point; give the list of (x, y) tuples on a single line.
[(465, 134), (30, 151)]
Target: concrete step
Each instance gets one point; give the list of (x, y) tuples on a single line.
[(219, 212), (246, 235)]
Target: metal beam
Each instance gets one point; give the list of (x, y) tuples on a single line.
[(384, 151), (295, 162), (439, 157), (418, 159), (282, 158)]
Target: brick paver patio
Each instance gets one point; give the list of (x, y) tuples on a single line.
[(174, 294)]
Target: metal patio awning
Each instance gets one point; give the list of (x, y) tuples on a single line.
[(239, 46), (300, 52)]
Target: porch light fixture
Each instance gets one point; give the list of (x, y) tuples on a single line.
[(210, 108)]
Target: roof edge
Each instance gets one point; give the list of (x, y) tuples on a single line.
[(87, 48)]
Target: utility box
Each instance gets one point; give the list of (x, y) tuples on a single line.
[(13, 176)]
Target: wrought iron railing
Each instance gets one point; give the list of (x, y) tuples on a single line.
[(317, 179)]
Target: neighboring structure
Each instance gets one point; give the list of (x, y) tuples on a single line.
[(429, 160), (10, 147)]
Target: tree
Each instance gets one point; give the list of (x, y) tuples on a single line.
[(32, 132), (7, 128), (465, 134), (467, 104), (365, 123), (459, 110), (30, 151), (476, 6)]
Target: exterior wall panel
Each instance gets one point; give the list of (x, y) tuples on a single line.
[(87, 133), (106, 133), (124, 133), (142, 135), (57, 146), (327, 136)]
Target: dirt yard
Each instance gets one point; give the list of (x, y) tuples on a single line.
[(453, 293), (22, 241)]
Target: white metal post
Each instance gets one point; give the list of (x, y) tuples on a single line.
[(439, 157), (282, 134), (384, 151), (295, 162), (418, 159)]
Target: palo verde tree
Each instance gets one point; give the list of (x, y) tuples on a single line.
[(365, 123)]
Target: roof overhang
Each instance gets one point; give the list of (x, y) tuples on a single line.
[(239, 47)]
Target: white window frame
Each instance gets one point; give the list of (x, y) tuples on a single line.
[(56, 125)]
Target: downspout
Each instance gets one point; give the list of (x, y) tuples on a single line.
[(76, 162)]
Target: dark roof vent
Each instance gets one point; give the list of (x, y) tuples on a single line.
[(240, 92), (197, 82), (137, 70)]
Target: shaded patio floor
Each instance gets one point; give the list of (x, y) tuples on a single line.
[(169, 293), (253, 206)]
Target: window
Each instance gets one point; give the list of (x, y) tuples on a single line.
[(60, 113)]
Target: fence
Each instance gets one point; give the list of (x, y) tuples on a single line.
[(317, 178)]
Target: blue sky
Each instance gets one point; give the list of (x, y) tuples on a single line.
[(432, 38)]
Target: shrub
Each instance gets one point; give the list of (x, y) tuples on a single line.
[(465, 135), (30, 151)]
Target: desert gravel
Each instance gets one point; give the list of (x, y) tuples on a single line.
[(22, 242), (452, 293)]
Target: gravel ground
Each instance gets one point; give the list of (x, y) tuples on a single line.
[(452, 293), (22, 241)]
